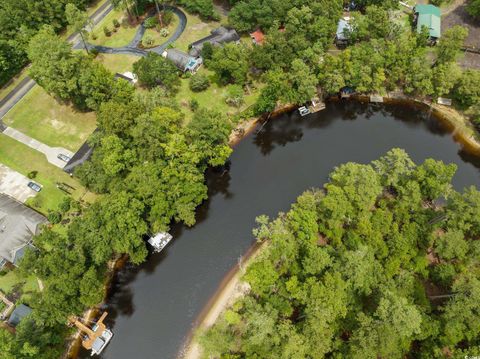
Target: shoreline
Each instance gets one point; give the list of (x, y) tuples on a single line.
[(230, 287)]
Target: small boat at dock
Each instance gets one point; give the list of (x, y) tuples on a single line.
[(97, 337), (159, 241)]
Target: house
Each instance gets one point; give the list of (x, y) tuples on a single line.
[(257, 37), (343, 28), (428, 16), (183, 61), (218, 37), (128, 76), (20, 312), (18, 225)]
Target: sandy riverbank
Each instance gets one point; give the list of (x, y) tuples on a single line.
[(231, 288)]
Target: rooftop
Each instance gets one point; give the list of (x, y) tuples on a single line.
[(430, 17), (18, 224), (20, 312)]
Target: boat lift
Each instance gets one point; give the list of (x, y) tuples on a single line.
[(97, 337)]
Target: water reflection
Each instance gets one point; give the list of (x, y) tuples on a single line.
[(154, 305)]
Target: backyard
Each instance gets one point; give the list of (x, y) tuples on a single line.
[(40, 116), (16, 287), (214, 97)]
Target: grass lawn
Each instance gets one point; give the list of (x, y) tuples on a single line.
[(155, 34), (40, 116), (196, 29), (121, 37), (11, 280), (212, 98), (117, 63), (23, 159)]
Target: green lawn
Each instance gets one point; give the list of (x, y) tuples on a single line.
[(195, 30), (117, 63), (40, 116), (23, 159), (123, 35), (12, 279), (212, 98), (155, 33)]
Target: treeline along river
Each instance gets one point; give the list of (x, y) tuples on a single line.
[(153, 307)]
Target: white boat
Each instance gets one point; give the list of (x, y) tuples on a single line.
[(101, 341), (303, 111), (160, 240)]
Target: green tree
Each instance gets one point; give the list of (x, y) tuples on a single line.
[(154, 70), (230, 64), (78, 20)]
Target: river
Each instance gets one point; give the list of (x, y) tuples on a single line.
[(153, 306)]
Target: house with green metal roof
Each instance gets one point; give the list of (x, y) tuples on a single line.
[(429, 16)]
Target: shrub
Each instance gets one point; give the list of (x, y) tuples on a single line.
[(147, 41), (54, 217), (151, 22), (207, 51), (93, 36), (193, 105), (115, 23), (32, 174), (199, 83), (64, 206), (107, 31), (164, 32), (235, 95), (94, 52), (167, 17)]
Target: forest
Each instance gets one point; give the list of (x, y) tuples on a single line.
[(382, 262)]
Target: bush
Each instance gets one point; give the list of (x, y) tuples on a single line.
[(193, 105), (151, 22), (107, 31), (167, 17), (115, 23), (199, 83), (164, 32), (207, 51), (32, 174), (94, 52), (235, 95), (64, 206), (93, 36), (54, 217), (147, 41)]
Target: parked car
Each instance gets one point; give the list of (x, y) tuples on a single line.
[(63, 157), (36, 187)]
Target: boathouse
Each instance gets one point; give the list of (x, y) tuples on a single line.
[(428, 16)]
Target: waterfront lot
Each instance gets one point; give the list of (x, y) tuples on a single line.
[(212, 98)]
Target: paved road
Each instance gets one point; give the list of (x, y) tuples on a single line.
[(132, 47), (14, 96)]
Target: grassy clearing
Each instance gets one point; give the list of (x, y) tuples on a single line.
[(123, 35), (117, 63), (212, 98), (40, 116), (23, 159), (155, 33), (195, 30), (12, 281)]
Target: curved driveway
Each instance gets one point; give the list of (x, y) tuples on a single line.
[(132, 47)]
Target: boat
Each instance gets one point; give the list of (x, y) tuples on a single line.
[(159, 241), (304, 111), (97, 337)]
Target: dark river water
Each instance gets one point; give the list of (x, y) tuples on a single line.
[(153, 307)]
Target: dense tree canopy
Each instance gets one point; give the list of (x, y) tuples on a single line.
[(19, 21), (353, 270)]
